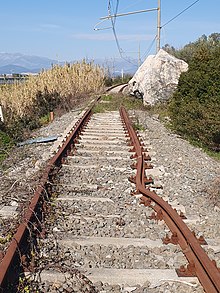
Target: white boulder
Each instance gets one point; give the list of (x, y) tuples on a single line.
[(157, 78)]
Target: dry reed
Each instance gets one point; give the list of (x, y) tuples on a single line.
[(70, 81)]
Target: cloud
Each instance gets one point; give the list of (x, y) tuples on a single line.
[(110, 37)]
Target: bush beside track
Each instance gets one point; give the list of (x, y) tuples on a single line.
[(195, 107)]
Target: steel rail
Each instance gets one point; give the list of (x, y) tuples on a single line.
[(11, 265), (199, 262), (124, 85)]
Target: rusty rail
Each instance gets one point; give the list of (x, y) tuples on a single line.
[(13, 262), (199, 262), (124, 85)]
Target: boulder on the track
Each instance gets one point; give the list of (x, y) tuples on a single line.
[(157, 78)]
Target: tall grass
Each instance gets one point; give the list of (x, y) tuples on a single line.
[(60, 86)]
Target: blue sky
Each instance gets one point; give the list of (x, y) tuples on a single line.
[(64, 30)]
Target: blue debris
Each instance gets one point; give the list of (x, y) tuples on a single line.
[(38, 140)]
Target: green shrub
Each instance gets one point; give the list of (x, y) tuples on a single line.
[(195, 107), (115, 101), (5, 144)]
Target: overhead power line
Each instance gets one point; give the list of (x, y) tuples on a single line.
[(113, 14), (149, 48), (112, 17), (179, 13)]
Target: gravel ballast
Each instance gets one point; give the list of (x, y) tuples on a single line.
[(184, 171)]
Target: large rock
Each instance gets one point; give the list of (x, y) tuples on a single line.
[(157, 78)]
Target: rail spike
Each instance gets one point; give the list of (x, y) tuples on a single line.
[(188, 271), (200, 239), (173, 239), (145, 201), (132, 179), (157, 216)]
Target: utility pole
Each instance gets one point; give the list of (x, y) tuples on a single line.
[(158, 9), (122, 74), (158, 25)]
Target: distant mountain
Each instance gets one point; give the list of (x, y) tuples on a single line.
[(10, 69), (20, 63)]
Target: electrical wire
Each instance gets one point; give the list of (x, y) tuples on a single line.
[(151, 45), (132, 5), (149, 48), (116, 11), (113, 19), (96, 28), (113, 24), (162, 27), (180, 13)]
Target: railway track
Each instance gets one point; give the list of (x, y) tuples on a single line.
[(119, 88), (98, 238)]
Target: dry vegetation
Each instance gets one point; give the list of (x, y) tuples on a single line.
[(59, 86)]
